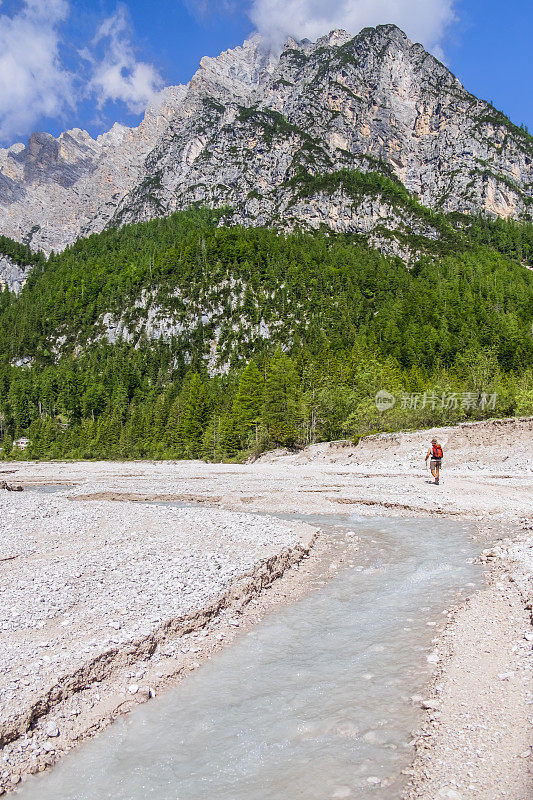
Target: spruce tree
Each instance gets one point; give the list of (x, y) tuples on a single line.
[(229, 439), (248, 402), (280, 406), (193, 417), (7, 446)]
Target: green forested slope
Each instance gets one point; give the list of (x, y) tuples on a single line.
[(269, 339)]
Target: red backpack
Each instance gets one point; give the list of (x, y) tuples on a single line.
[(437, 451)]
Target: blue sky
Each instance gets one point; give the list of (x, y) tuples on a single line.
[(89, 63)]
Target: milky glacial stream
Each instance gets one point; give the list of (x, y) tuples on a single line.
[(312, 704)]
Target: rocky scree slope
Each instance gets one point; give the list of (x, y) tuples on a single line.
[(253, 130)]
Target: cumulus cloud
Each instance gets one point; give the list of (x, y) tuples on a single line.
[(423, 21), (116, 73), (33, 81), (36, 82)]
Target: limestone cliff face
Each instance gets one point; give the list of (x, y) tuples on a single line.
[(250, 126), (12, 274)]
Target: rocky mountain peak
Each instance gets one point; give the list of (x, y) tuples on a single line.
[(235, 74), (254, 128)]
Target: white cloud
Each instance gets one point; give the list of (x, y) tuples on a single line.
[(117, 75), (33, 82), (423, 21)]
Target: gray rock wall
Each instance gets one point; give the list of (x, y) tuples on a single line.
[(249, 123)]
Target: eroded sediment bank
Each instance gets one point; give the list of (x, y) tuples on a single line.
[(101, 606)]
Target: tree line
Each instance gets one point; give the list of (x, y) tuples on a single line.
[(277, 340)]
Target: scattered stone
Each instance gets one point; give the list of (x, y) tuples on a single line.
[(430, 705), (51, 730)]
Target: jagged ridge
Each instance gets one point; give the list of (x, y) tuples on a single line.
[(251, 126)]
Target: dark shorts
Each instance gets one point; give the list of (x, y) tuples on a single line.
[(435, 463)]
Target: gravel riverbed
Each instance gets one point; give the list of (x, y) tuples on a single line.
[(111, 592)]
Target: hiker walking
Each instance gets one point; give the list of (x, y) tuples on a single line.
[(435, 451)]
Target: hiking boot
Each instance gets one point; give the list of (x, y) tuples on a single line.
[(437, 481)]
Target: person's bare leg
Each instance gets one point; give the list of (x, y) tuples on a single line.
[(437, 474)]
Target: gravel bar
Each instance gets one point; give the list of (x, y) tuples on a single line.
[(88, 587)]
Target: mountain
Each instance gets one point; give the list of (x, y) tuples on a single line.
[(181, 337), (284, 141), (277, 242)]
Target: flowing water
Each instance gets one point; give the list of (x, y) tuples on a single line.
[(312, 704)]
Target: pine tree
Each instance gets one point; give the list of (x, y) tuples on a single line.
[(229, 439), (247, 404), (280, 406), (7, 447), (193, 416)]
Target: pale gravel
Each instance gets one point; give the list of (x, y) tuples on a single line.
[(91, 575)]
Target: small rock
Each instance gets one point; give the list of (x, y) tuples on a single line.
[(52, 730), (341, 792), (433, 658), (373, 779), (429, 705), (133, 688), (15, 779)]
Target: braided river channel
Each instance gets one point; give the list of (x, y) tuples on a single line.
[(314, 703)]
